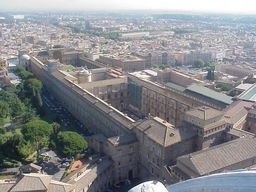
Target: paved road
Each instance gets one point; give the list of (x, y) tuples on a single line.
[(64, 117), (57, 176), (10, 170)]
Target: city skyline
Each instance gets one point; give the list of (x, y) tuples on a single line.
[(217, 6)]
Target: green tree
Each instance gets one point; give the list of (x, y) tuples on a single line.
[(224, 87), (29, 114), (56, 128), (199, 63), (38, 132), (210, 74), (25, 149), (23, 73), (70, 143), (4, 109), (26, 75), (11, 89), (10, 145), (15, 105), (35, 86)]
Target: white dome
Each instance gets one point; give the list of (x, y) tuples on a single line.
[(25, 57), (84, 72), (149, 186)]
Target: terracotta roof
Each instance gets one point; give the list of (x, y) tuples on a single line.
[(221, 156), (204, 113), (56, 186), (163, 132), (6, 186), (237, 111), (35, 182), (33, 166), (32, 182)]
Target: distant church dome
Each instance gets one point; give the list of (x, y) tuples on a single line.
[(84, 72), (25, 57)]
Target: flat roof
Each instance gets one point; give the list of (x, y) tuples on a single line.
[(209, 94), (244, 86), (249, 94), (175, 86)]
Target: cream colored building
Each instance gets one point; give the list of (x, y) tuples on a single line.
[(142, 148)]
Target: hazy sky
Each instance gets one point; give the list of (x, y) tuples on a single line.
[(231, 6)]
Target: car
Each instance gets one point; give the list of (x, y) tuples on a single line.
[(65, 164), (127, 182)]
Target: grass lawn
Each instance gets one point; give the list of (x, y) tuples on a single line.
[(4, 121), (69, 68)]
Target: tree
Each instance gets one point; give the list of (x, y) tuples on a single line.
[(29, 114), (16, 107), (70, 143), (35, 86), (38, 132), (11, 89), (23, 73), (199, 63), (4, 109), (10, 145), (210, 75), (25, 149), (224, 87), (56, 128)]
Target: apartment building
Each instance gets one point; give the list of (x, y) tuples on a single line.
[(125, 63)]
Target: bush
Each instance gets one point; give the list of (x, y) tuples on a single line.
[(52, 144), (70, 143), (79, 156), (6, 162), (224, 87), (3, 130)]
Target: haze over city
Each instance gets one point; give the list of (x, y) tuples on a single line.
[(217, 6)]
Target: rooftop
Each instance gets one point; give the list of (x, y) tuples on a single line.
[(204, 113), (249, 94), (163, 132), (239, 180), (122, 140), (237, 110), (217, 158), (175, 86), (208, 94)]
